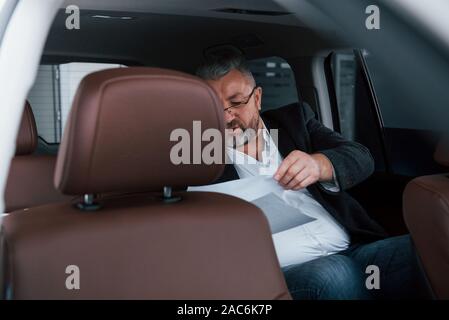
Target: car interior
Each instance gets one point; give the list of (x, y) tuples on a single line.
[(91, 182)]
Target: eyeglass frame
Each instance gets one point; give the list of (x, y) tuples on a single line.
[(241, 104)]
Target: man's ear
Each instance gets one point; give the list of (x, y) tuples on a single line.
[(259, 98)]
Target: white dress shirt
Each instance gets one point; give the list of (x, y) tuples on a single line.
[(321, 237)]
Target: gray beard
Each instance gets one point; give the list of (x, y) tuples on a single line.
[(245, 137)]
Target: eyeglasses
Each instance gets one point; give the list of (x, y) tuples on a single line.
[(242, 103)]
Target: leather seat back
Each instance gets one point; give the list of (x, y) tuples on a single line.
[(190, 245), (30, 179), (426, 213)]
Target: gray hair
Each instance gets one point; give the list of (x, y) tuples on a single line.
[(219, 64)]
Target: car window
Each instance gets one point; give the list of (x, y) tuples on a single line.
[(396, 110), (52, 94), (391, 129), (344, 72), (277, 80), (356, 117)]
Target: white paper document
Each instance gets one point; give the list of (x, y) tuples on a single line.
[(266, 193)]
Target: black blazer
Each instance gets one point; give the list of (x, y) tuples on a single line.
[(299, 130)]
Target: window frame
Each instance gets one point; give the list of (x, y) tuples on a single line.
[(372, 100), (374, 104), (332, 92)]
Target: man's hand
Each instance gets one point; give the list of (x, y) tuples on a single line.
[(299, 170)]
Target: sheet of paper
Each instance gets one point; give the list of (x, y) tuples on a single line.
[(265, 193), (247, 189), (280, 215)]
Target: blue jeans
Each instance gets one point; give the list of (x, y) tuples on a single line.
[(342, 275)]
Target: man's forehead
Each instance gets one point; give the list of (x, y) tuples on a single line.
[(235, 89), (231, 85)]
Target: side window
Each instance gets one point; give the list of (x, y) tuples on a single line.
[(354, 110), (343, 70), (412, 123), (277, 80), (396, 130), (52, 94)]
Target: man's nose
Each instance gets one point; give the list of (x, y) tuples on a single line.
[(228, 116)]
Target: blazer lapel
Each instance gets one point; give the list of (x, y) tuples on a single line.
[(284, 143)]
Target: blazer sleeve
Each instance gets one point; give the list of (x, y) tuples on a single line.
[(352, 161)]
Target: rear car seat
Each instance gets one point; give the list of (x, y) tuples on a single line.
[(30, 180), (426, 213), (185, 245)]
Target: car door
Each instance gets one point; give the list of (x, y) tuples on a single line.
[(402, 147)]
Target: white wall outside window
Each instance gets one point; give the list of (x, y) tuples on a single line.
[(53, 92)]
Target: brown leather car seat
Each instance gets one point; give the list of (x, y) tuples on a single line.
[(30, 180), (426, 213), (140, 245)]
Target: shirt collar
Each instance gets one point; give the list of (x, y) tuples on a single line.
[(270, 155)]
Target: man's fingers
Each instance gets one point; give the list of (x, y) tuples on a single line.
[(297, 171), (305, 183), (292, 172), (293, 157), (288, 161), (301, 176)]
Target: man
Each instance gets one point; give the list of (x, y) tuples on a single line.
[(326, 258)]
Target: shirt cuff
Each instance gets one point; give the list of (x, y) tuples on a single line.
[(333, 185)]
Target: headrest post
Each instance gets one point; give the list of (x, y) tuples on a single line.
[(88, 203), (167, 192), (168, 197), (88, 199)]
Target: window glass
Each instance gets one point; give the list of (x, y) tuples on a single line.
[(52, 94), (400, 110), (357, 118), (277, 80), (397, 110), (344, 70)]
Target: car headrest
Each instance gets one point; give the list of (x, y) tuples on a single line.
[(26, 142), (441, 154), (117, 137)]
